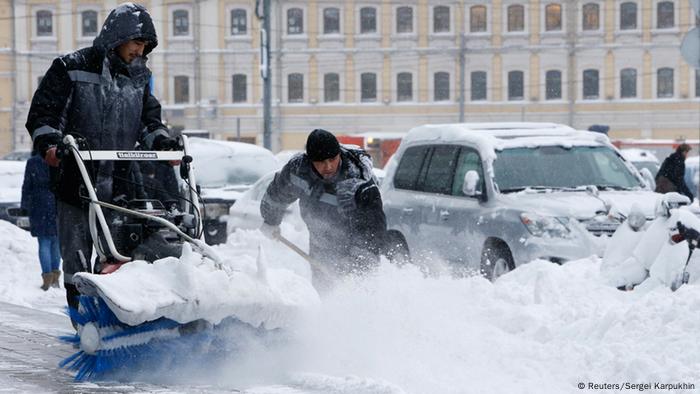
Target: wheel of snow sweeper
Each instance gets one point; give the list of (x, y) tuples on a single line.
[(397, 249), (496, 259)]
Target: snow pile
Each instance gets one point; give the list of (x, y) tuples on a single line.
[(21, 273)]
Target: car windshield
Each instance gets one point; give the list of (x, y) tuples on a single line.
[(556, 167), (652, 166), (233, 171)]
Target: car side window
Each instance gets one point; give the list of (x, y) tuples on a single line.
[(469, 160), (410, 168), (438, 178)]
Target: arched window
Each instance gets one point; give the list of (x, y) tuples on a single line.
[(239, 88), (331, 21), (368, 20), (404, 20), (331, 87), (665, 15), (591, 17), (553, 85), (404, 87), (295, 21), (441, 19), (181, 23), (628, 83), (89, 23), (516, 18), (239, 22), (477, 19), (552, 17), (628, 16), (591, 89), (664, 82), (516, 85), (442, 86), (44, 23)]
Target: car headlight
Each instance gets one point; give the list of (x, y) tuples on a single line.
[(215, 210), (546, 226)]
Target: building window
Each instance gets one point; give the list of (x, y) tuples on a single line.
[(239, 22), (664, 15), (552, 17), (181, 23), (89, 25), (368, 20), (441, 19), (404, 20), (240, 88), (331, 87), (516, 85), (442, 86), (331, 21), (478, 82), (697, 84), (516, 18), (591, 17), (295, 88), (295, 21), (590, 85), (477, 19), (628, 16), (404, 87), (553, 85), (664, 82), (182, 89), (44, 23), (369, 87), (628, 83)]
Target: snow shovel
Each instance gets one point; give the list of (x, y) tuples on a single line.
[(320, 275), (685, 276)]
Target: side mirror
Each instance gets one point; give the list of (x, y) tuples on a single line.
[(648, 178), (471, 184), (670, 201)]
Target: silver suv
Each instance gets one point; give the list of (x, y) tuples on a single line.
[(488, 197)]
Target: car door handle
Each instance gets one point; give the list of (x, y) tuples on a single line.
[(407, 211), (444, 215)]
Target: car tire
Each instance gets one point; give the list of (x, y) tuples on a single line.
[(496, 260), (397, 250)]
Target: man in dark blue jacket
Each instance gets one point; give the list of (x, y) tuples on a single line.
[(101, 93), (40, 204), (339, 202)]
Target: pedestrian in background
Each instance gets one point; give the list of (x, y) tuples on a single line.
[(40, 204), (670, 177)]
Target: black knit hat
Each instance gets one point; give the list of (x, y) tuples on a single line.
[(321, 145)]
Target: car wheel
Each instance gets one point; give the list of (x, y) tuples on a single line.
[(496, 260), (397, 249)]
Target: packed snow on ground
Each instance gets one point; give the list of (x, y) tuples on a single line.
[(541, 328)]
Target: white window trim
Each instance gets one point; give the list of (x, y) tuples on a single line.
[(171, 22), (358, 21), (618, 15), (35, 24), (321, 8), (468, 20), (304, 14), (601, 85), (468, 84), (358, 83), (248, 91), (601, 19), (431, 13), (190, 86), (543, 19), (655, 18), (341, 87), (618, 86), (564, 85), (247, 35), (655, 84), (414, 92), (526, 81), (394, 15), (79, 16), (526, 25), (452, 91), (305, 99)]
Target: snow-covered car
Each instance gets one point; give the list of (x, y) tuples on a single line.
[(245, 213), (284, 156), (224, 170), (491, 196), (692, 175), (642, 158), (11, 178)]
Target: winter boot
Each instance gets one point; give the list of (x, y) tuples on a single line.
[(47, 278), (56, 275)]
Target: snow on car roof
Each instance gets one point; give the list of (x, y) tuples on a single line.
[(634, 154), (220, 148)]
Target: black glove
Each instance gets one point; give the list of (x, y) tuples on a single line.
[(165, 143), (689, 234), (355, 193), (44, 142), (367, 194)]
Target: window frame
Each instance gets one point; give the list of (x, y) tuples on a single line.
[(657, 16), (416, 186), (45, 13), (622, 83), (247, 33), (583, 84), (672, 85), (359, 21), (173, 24), (637, 26), (487, 27), (547, 81), (322, 29), (506, 25), (545, 20), (471, 86), (413, 31), (233, 90), (441, 73), (325, 87), (450, 22), (302, 10), (289, 90), (522, 82), (398, 87), (361, 87), (482, 179), (601, 18), (189, 89), (82, 22), (426, 166)]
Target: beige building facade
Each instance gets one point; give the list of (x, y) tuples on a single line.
[(383, 65)]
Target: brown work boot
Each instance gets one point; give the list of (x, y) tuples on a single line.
[(56, 277), (47, 278)]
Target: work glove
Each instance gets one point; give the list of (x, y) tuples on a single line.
[(270, 230), (689, 234), (165, 143)]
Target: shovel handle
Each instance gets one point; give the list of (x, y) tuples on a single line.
[(316, 266)]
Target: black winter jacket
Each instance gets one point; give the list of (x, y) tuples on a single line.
[(92, 93), (673, 168), (344, 215)]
